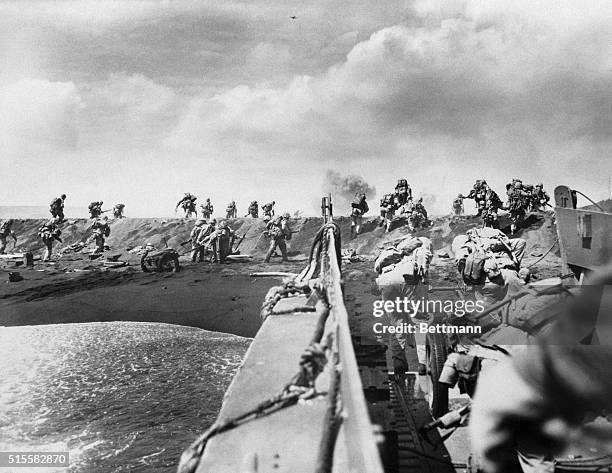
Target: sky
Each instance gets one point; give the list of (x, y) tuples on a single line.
[(140, 101)]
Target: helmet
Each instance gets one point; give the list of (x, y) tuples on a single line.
[(491, 268), (273, 202), (63, 196), (207, 199), (286, 215), (524, 274), (223, 224), (233, 202), (539, 184), (213, 221)]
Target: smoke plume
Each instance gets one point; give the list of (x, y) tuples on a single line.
[(344, 188)]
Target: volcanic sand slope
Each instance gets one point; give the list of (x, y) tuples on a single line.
[(210, 296)]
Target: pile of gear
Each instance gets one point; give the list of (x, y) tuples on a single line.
[(399, 206)]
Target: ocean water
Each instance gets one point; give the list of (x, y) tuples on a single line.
[(119, 396)]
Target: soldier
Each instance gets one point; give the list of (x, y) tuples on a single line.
[(403, 192), (359, 207), (253, 210), (458, 207), (279, 231), (49, 232), (118, 210), (231, 211), (518, 199), (207, 209), (95, 209), (478, 193), (56, 208), (5, 232), (101, 230), (387, 211), (188, 204), (405, 277), (268, 211), (207, 241), (197, 250), (490, 204), (539, 198), (534, 404), (224, 239)]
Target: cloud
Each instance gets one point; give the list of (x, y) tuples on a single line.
[(38, 115)]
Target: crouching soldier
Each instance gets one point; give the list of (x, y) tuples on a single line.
[(95, 209), (5, 232), (403, 271), (253, 210), (48, 233), (359, 207), (101, 230), (268, 211), (279, 232), (56, 208)]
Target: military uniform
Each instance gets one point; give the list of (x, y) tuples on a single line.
[(56, 208), (253, 210), (387, 211), (268, 210), (101, 230), (207, 209), (458, 205), (359, 207), (405, 278), (5, 232), (95, 209), (231, 211), (188, 204), (518, 200), (118, 210), (48, 233), (278, 230), (224, 239)]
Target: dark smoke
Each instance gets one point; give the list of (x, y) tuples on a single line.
[(344, 188)]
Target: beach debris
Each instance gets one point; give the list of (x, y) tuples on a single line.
[(14, 276)]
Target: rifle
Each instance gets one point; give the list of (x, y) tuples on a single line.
[(239, 242)]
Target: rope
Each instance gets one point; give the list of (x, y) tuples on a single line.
[(545, 254)]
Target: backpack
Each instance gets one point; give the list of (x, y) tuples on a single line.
[(473, 271)]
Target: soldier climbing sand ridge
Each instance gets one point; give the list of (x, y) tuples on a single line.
[(207, 209), (539, 198), (387, 211), (518, 201), (268, 211), (359, 207), (188, 204), (231, 211), (458, 208), (253, 210), (118, 211), (95, 209), (49, 232), (5, 233), (56, 208)]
